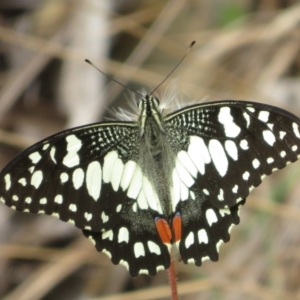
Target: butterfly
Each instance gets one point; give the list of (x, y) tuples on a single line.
[(139, 188)]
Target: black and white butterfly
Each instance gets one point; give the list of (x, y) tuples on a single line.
[(138, 188)]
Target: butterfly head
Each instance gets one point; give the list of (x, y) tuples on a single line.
[(149, 110)]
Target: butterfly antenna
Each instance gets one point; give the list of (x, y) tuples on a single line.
[(111, 78), (187, 51)]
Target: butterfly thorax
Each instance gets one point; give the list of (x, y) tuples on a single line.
[(155, 152)]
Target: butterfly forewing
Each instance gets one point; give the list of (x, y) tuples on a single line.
[(64, 175), (233, 145)]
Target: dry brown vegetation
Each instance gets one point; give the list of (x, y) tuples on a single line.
[(245, 50)]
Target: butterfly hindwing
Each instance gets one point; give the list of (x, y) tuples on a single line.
[(204, 228), (134, 242)]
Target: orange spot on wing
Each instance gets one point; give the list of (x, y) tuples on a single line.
[(177, 227), (164, 230)]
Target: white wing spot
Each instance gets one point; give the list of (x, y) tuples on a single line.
[(138, 249), (218, 156), (46, 146), (247, 118), (43, 201), (224, 211), (269, 137), (134, 207), (93, 179), (64, 177), (235, 189), (77, 178), (282, 134), (189, 240), (22, 181), (192, 194), (108, 165), (160, 268), (211, 216), (199, 153), (221, 195), (255, 163), (104, 217), (36, 179), (191, 261), (52, 154), (206, 192), (230, 228), (128, 174), (73, 207), (7, 180), (270, 160), (244, 144), (15, 197), (251, 109), (154, 248), (117, 174), (124, 263), (28, 200), (135, 184), (123, 235), (231, 149), (296, 130), (188, 164), (151, 195), (202, 236), (295, 148), (246, 175), (263, 116), (218, 245), (73, 146), (35, 157), (225, 117), (58, 199), (119, 207), (184, 174), (282, 153), (270, 125), (108, 235), (88, 216)]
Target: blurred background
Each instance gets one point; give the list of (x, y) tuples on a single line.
[(246, 49)]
